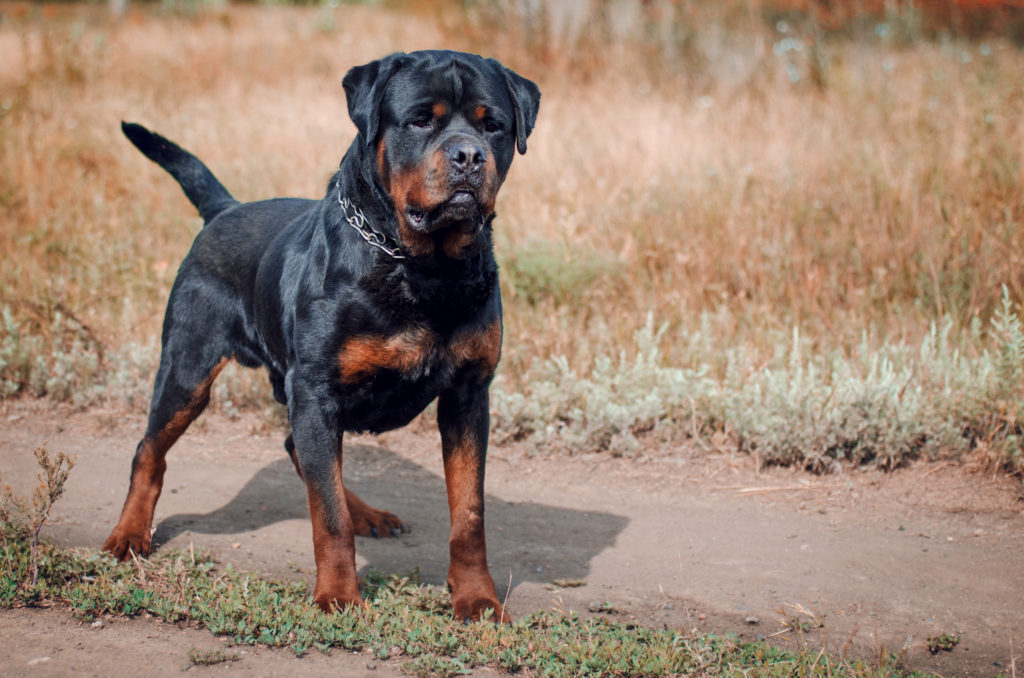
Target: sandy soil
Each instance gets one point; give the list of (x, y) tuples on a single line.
[(681, 538)]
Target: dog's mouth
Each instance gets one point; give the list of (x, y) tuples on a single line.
[(461, 210)]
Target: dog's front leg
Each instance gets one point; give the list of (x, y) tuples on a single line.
[(318, 447), (463, 419)]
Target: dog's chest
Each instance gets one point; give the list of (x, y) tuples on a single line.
[(418, 354), (386, 380)]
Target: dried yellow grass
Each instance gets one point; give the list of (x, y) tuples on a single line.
[(877, 193)]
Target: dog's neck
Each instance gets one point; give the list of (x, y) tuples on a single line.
[(355, 218), (355, 181)]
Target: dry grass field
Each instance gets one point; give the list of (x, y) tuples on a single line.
[(771, 196)]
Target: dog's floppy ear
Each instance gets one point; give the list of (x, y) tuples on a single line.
[(364, 89), (526, 99)]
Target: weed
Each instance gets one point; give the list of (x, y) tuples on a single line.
[(603, 607), (395, 624), (197, 657), (569, 583), (542, 271), (22, 518), (943, 642), (48, 352), (797, 619)]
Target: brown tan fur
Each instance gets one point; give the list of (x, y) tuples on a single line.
[(483, 348), (133, 528), (337, 583), (361, 356), (468, 577)]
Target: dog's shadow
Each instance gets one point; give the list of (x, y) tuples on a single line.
[(530, 541)]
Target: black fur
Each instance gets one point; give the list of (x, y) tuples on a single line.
[(202, 188)]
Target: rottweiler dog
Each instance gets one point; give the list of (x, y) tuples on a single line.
[(364, 306)]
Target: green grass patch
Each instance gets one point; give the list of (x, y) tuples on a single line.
[(545, 271), (403, 618)]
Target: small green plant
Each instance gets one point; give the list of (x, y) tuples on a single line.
[(45, 350), (197, 657), (943, 642), (21, 517), (797, 619)]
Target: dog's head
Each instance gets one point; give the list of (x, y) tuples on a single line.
[(442, 128)]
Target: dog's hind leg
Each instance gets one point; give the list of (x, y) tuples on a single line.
[(366, 520), (371, 522), (181, 393)]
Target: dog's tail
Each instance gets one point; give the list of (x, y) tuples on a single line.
[(200, 186)]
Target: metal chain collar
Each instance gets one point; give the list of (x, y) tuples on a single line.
[(357, 220)]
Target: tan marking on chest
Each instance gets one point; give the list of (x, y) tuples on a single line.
[(482, 347), (408, 352), (362, 356)]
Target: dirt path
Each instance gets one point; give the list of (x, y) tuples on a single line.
[(682, 538)]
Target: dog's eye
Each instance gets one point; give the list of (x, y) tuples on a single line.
[(491, 126), (421, 123)]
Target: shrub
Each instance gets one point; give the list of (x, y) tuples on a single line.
[(881, 406)]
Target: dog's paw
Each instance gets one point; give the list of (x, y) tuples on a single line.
[(479, 608), (371, 522), (121, 544), (331, 601)]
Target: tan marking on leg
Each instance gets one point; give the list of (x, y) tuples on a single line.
[(132, 532), (366, 519), (337, 583), (468, 576)]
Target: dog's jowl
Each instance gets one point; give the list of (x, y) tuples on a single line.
[(364, 306)]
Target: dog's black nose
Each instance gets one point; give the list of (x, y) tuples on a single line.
[(465, 156)]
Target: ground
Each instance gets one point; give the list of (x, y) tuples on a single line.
[(868, 562)]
